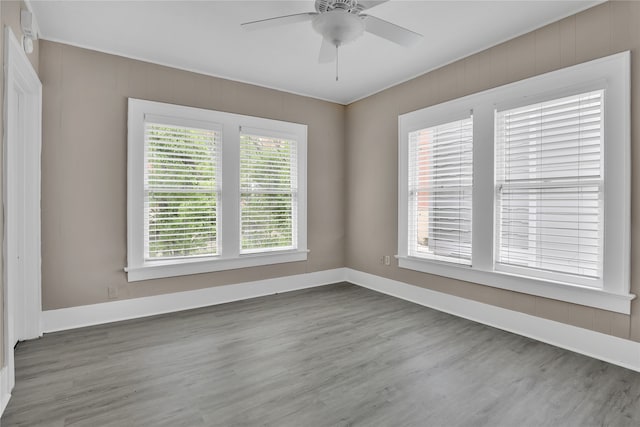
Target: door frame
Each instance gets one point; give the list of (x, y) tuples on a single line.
[(22, 142)]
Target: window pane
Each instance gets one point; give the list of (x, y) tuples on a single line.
[(440, 192), (180, 192), (268, 193), (266, 221), (549, 177), (180, 224)]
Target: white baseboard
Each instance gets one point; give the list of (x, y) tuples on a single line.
[(605, 347), (95, 314), (5, 391)]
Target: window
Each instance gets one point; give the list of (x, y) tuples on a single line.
[(268, 192), (549, 188), (541, 174), (181, 193), (211, 191), (440, 191)]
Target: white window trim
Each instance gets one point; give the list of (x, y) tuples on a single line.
[(611, 73), (229, 215)]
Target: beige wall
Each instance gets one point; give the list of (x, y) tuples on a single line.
[(9, 16), (372, 126), (84, 175), (352, 162)]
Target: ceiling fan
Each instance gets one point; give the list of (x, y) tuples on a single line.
[(340, 22)]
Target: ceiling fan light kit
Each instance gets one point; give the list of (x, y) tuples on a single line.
[(340, 22), (338, 26)]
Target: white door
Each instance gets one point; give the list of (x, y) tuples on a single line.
[(15, 232), (21, 194)]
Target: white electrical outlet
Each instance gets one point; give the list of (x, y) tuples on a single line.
[(387, 260), (112, 292)]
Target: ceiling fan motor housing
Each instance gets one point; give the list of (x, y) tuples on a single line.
[(327, 5), (338, 26)]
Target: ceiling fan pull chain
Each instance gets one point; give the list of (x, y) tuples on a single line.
[(336, 62)]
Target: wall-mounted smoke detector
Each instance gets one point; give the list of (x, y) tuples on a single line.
[(29, 30)]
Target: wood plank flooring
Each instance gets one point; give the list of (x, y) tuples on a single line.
[(338, 355)]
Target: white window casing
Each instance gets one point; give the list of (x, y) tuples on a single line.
[(551, 185), (185, 197)]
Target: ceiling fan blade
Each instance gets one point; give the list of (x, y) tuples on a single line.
[(327, 52), (391, 32), (278, 21), (368, 4)]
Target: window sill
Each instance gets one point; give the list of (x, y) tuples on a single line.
[(583, 295), (160, 269)]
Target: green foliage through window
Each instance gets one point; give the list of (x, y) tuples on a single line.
[(181, 191), (268, 193)]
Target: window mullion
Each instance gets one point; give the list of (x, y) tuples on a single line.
[(229, 228), (483, 188)]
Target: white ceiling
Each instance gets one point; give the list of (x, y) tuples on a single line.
[(205, 36)]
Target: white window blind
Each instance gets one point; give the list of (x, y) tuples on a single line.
[(181, 193), (550, 186), (440, 191), (268, 187)]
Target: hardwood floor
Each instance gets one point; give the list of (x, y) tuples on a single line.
[(335, 355)]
